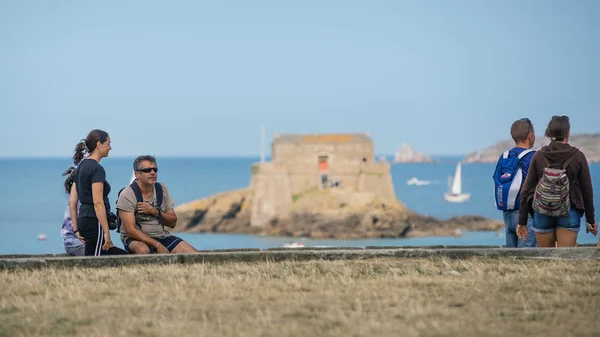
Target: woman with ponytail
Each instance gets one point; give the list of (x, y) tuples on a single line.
[(91, 189)]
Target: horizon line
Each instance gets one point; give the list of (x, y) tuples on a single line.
[(194, 156)]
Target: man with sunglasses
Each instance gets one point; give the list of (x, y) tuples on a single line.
[(145, 209), (510, 174)]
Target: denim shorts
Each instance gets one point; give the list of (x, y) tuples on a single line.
[(548, 224)]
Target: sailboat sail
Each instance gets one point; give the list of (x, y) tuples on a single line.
[(456, 188)]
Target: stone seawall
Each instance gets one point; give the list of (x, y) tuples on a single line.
[(296, 254)]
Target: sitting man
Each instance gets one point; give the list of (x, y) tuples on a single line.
[(145, 208)]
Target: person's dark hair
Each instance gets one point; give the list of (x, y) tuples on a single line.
[(137, 163), (88, 145), (70, 173), (558, 128), (520, 129)]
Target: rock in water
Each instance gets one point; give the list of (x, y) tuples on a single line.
[(320, 214), (407, 154)]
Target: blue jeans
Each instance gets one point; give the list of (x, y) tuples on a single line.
[(548, 224), (511, 220)]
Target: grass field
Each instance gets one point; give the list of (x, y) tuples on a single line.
[(410, 297)]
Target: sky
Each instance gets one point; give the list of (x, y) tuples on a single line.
[(199, 78)]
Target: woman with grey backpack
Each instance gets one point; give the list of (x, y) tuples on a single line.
[(557, 191)]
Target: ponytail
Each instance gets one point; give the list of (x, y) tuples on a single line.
[(70, 173), (81, 150)]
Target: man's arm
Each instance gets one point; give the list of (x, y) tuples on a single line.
[(128, 221), (169, 218)]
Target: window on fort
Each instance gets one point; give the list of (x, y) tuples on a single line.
[(323, 164)]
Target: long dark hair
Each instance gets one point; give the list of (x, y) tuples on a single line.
[(558, 128), (88, 145), (70, 173)]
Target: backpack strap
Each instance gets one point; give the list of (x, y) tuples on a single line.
[(118, 216), (159, 200), (568, 161), (524, 153), (505, 154), (138, 197), (136, 190)]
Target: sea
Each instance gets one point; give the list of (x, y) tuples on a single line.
[(34, 200)]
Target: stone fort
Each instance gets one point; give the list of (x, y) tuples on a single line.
[(300, 163)]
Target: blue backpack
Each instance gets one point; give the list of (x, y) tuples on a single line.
[(138, 196), (508, 179)]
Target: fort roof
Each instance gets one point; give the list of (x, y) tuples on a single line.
[(323, 138)]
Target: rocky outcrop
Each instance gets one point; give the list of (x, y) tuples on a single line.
[(588, 143), (319, 214), (407, 154)]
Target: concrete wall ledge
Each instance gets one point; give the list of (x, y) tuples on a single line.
[(241, 256)]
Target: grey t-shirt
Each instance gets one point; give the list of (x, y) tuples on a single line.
[(150, 226)]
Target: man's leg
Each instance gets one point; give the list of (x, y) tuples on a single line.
[(510, 229), (136, 247), (176, 245), (184, 247)]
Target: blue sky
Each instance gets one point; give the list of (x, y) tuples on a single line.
[(198, 78)]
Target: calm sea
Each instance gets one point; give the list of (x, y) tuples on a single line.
[(34, 200)]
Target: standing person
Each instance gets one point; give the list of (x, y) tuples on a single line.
[(91, 189), (511, 172), (145, 208), (73, 242), (559, 189)]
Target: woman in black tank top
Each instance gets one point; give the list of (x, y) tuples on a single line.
[(91, 189)]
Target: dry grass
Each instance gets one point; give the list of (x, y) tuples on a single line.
[(440, 297)]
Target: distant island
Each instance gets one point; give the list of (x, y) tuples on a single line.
[(588, 143), (406, 154), (323, 214)]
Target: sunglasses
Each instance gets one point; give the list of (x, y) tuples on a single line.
[(148, 169)]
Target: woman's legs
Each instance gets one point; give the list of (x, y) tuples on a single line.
[(561, 231), (92, 234), (545, 240), (568, 228), (565, 237), (545, 230), (94, 238)]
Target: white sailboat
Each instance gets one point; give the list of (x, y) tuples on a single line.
[(455, 194)]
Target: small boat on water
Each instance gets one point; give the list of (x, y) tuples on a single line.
[(455, 194), (297, 244), (41, 237), (414, 181)]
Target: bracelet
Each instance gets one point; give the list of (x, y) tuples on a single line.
[(75, 231), (157, 244)]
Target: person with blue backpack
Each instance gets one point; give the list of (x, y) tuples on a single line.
[(558, 190), (145, 208), (509, 176)]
